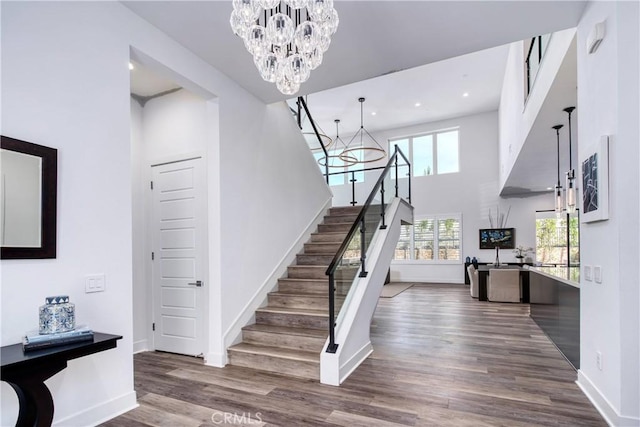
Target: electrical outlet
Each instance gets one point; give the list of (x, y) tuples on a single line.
[(599, 360), (587, 273)]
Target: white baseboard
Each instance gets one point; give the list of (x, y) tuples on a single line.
[(101, 413), (603, 405), (140, 346), (355, 361), (233, 332)]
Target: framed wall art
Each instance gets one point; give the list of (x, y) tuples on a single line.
[(595, 183)]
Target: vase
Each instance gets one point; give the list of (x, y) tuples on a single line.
[(520, 258), (497, 263), (57, 315)]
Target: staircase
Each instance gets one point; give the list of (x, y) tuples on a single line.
[(291, 330)]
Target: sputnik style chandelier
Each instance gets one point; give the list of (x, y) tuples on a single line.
[(571, 173), (559, 202), (286, 38), (379, 153)]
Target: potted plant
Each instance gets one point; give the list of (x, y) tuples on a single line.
[(522, 252)]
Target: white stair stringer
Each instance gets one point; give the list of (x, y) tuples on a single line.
[(354, 320)]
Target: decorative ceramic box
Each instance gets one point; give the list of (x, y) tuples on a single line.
[(57, 315)]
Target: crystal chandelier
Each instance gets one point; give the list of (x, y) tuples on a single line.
[(286, 38)]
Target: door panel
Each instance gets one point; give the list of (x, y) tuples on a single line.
[(179, 230)]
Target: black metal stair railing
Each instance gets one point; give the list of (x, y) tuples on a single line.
[(371, 217)]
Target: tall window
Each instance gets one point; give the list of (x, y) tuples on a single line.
[(433, 238), (551, 239), (431, 154)]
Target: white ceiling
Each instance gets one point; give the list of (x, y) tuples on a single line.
[(145, 82), (463, 43)]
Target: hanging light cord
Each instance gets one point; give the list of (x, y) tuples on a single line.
[(557, 128)]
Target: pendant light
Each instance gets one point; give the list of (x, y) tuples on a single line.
[(338, 161), (559, 202), (379, 153), (571, 174)]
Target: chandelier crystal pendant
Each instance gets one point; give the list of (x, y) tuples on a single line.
[(559, 200), (571, 174), (286, 38)]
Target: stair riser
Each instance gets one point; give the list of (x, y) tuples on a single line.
[(328, 228), (340, 219), (345, 210), (319, 302), (316, 287), (294, 368), (321, 249), (295, 342), (292, 320), (328, 237), (314, 259), (306, 272)]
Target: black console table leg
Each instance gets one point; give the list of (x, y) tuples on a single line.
[(36, 404)]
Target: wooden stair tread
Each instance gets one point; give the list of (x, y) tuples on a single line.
[(278, 352), (286, 330)]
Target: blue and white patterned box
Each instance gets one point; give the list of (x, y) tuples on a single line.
[(57, 315)]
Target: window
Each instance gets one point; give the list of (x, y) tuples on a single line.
[(551, 239), (431, 154), (344, 178), (435, 238)]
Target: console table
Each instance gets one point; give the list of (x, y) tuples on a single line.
[(27, 372)]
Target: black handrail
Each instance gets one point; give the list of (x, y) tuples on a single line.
[(358, 223), (302, 102)]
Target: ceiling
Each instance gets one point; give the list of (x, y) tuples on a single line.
[(146, 83), (446, 49)]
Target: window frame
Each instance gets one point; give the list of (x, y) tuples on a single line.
[(436, 239), (434, 141)]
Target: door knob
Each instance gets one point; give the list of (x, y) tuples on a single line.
[(198, 283)]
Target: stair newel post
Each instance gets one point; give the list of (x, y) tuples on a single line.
[(363, 247), (353, 188), (383, 226), (332, 347)]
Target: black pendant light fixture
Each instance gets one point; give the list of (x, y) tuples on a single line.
[(379, 153), (559, 201), (571, 174)]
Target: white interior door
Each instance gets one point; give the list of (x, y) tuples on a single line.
[(179, 241)]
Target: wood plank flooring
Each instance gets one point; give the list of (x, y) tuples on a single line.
[(440, 358)]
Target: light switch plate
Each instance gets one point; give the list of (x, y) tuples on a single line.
[(587, 273), (95, 283), (597, 274)]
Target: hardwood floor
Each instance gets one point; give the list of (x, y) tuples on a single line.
[(440, 359)]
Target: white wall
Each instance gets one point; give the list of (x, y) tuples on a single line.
[(271, 191), (608, 91), (65, 84), (516, 116)]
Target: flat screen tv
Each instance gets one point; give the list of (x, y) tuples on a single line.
[(503, 238)]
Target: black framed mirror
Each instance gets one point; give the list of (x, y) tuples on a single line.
[(28, 200)]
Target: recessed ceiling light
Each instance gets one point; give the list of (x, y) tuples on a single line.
[(549, 188), (418, 104), (131, 67), (465, 94), (373, 113)]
